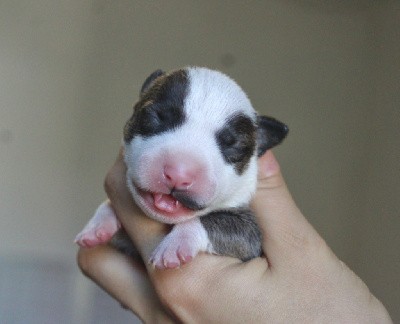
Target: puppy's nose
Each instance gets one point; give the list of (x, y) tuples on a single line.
[(180, 175)]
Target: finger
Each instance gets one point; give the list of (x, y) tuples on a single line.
[(125, 279), (144, 232), (286, 232)]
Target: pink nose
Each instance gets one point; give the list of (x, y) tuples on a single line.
[(180, 176)]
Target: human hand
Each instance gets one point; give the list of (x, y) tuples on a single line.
[(299, 280)]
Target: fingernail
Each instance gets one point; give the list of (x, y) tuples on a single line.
[(268, 165)]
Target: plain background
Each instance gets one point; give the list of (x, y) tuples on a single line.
[(70, 72)]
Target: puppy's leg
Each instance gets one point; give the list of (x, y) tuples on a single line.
[(233, 232), (181, 245), (100, 228)]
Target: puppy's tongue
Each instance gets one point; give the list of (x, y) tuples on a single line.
[(166, 203)]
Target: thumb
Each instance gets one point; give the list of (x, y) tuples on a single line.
[(286, 232)]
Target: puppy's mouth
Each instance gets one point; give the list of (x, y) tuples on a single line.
[(174, 204), (184, 199)]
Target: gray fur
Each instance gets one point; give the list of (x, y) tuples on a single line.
[(233, 232)]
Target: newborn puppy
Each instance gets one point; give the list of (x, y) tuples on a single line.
[(191, 149)]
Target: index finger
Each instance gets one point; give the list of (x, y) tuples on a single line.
[(143, 231), (286, 232)]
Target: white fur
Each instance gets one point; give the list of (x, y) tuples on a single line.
[(181, 245), (213, 96)]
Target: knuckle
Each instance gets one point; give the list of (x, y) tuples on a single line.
[(111, 184), (115, 178), (83, 261), (305, 242)]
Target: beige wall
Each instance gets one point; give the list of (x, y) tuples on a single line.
[(377, 254), (70, 71)]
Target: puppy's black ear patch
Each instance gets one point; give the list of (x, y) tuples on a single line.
[(270, 132), (149, 81)]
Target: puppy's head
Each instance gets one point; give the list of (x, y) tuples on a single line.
[(192, 143)]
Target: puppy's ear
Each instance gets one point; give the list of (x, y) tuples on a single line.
[(270, 132), (150, 80)]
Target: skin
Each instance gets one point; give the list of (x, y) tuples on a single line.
[(299, 281)]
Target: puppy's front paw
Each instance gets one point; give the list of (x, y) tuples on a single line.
[(173, 251), (101, 227), (180, 246)]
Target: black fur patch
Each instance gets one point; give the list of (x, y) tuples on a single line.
[(150, 80), (270, 132), (233, 232), (160, 107), (237, 141)]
